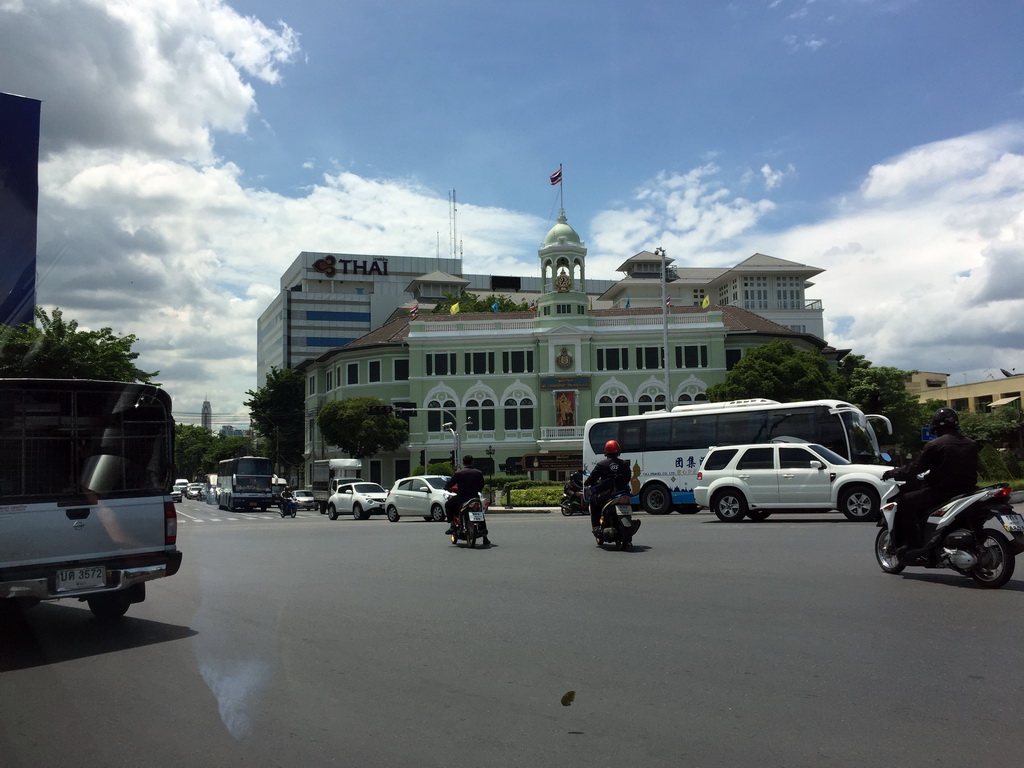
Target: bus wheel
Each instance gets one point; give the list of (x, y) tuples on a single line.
[(656, 499)]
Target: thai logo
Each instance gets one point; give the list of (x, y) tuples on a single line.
[(326, 266), (329, 266)]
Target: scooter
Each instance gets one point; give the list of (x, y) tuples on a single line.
[(572, 496), (288, 507), (617, 525), (956, 536), (470, 523)]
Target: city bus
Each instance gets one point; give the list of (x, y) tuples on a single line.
[(666, 448), (244, 483)]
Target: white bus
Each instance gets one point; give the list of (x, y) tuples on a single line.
[(666, 448)]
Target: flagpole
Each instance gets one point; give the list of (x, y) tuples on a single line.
[(561, 188), (664, 320)]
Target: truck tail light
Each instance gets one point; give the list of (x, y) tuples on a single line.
[(170, 523)]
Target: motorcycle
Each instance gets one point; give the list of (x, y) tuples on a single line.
[(617, 525), (288, 507), (956, 536), (470, 523), (572, 496)]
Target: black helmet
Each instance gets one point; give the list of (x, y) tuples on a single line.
[(945, 418)]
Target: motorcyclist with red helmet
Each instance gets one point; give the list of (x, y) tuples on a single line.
[(609, 476), (951, 461)]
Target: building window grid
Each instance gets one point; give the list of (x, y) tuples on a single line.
[(692, 356), (479, 363), (649, 358), (613, 358)]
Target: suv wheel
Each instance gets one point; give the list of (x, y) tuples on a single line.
[(729, 505), (393, 513), (332, 512), (859, 503)]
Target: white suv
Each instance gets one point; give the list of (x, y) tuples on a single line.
[(737, 481)]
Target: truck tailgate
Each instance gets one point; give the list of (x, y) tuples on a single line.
[(40, 533)]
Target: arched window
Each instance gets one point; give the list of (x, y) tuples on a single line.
[(435, 418), (518, 414), (480, 415), (652, 404)]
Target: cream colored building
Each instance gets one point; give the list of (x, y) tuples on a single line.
[(976, 397)]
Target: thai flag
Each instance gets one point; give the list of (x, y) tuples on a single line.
[(414, 310), (668, 301), (533, 306), (556, 177)]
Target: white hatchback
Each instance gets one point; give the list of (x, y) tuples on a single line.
[(737, 481), (421, 496)]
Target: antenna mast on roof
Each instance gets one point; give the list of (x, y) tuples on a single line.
[(453, 225)]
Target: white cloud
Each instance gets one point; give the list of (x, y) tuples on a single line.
[(144, 229), (688, 213), (773, 177), (146, 75)]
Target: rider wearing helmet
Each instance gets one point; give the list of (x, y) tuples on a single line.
[(609, 476), (951, 461)]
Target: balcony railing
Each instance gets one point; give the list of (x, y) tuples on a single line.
[(561, 433)]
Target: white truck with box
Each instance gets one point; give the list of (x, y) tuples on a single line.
[(328, 474)]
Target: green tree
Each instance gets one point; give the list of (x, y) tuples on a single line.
[(278, 414), (883, 390), (227, 448), (348, 425), (55, 348), (192, 443), (778, 371), (469, 302)]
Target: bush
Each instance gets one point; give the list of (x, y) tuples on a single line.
[(991, 464)]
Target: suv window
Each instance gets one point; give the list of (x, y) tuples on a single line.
[(757, 458), (719, 459), (796, 458)]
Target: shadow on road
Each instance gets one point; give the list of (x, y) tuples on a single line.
[(950, 579), (50, 633)]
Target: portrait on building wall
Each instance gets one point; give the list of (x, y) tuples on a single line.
[(565, 409)]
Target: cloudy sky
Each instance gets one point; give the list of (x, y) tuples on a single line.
[(191, 149)]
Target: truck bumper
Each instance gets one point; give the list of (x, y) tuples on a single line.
[(40, 582)]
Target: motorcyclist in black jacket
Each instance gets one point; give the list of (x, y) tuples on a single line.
[(609, 476), (468, 482), (951, 461)]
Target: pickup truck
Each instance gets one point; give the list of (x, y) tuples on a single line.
[(85, 478)]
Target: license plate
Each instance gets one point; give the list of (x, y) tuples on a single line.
[(476, 516), (1012, 523), (81, 578)]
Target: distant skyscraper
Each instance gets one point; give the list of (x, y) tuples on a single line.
[(207, 417), (19, 195)]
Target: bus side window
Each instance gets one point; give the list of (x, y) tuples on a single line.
[(631, 436)]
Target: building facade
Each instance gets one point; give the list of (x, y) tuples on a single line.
[(328, 300), (975, 397), (523, 384)]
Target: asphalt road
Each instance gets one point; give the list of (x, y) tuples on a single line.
[(308, 642)]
